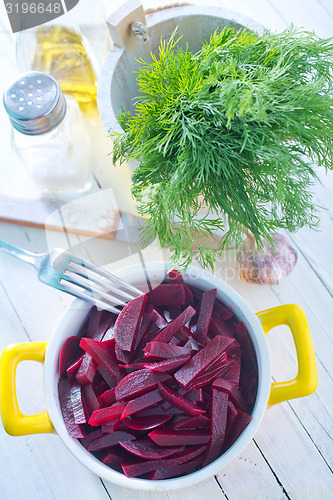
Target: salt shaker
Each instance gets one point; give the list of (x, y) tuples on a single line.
[(48, 133)]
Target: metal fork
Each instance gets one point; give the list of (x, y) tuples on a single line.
[(73, 275)]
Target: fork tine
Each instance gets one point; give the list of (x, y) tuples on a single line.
[(76, 280), (89, 297), (77, 270), (102, 272)]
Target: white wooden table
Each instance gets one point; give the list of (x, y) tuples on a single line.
[(291, 456)]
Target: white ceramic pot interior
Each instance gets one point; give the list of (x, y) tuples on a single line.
[(195, 24), (70, 324)]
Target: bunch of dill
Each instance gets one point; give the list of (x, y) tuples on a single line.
[(235, 128)]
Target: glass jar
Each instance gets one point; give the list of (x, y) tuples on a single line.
[(70, 48), (49, 134)]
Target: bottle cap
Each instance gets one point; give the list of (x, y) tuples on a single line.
[(34, 103)]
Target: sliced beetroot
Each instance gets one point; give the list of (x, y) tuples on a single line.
[(87, 370), (137, 383), (204, 317), (160, 350), (218, 326), (195, 395), (223, 311), (104, 354), (113, 426), (128, 323), (145, 448), (175, 325), (158, 319), (68, 353), (110, 381), (147, 321), (167, 295), (145, 423), (229, 387), (232, 414), (218, 424), (74, 430), (111, 439), (139, 467), (99, 322), (189, 300), (114, 458), (90, 398), (176, 470), (179, 401), (210, 373), (248, 352), (141, 403), (123, 356), (73, 369), (202, 361), (167, 365), (107, 398), (241, 421), (91, 437), (105, 415), (171, 437), (192, 422)]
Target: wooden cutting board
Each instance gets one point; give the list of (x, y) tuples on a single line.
[(78, 216)]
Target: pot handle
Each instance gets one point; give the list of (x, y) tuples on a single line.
[(15, 422), (306, 380)]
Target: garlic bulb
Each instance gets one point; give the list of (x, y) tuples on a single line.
[(266, 266)]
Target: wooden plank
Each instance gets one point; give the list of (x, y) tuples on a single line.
[(307, 14), (36, 466)]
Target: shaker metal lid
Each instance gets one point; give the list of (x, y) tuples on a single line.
[(34, 103)]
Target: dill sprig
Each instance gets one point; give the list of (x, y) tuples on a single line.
[(235, 128)]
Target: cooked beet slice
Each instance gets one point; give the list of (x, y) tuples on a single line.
[(160, 350), (105, 415), (104, 354), (189, 300), (87, 370), (141, 403), (174, 326), (167, 295), (145, 423), (229, 387), (128, 323), (109, 440), (73, 368), (99, 322), (210, 373), (114, 426), (232, 414), (205, 314), (218, 326), (110, 382), (107, 398), (192, 422), (90, 399), (68, 353), (114, 458), (222, 310), (177, 470), (218, 424), (179, 401), (167, 365), (195, 395), (74, 430), (137, 383), (248, 352), (158, 319), (91, 437), (145, 448), (171, 437), (139, 467), (175, 278), (202, 360), (123, 356), (147, 321), (240, 423)]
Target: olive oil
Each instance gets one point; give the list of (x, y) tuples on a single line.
[(60, 52)]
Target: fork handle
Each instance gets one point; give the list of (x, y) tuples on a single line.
[(18, 253)]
